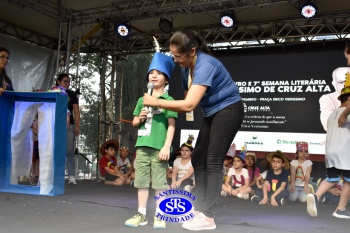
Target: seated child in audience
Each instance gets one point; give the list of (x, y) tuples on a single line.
[(275, 185), (108, 165), (227, 165), (265, 165), (183, 173), (300, 171), (228, 161), (124, 165), (237, 181), (253, 170), (169, 171), (333, 194)]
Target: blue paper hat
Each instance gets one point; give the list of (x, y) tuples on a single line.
[(162, 63), (242, 154)]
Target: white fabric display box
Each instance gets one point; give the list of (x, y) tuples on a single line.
[(18, 110)]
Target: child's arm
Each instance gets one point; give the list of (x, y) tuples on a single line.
[(292, 178), (246, 185), (139, 120), (273, 196), (174, 176), (164, 153), (335, 191), (265, 198), (307, 179), (251, 183), (187, 176), (130, 170), (117, 173), (258, 181), (227, 184)]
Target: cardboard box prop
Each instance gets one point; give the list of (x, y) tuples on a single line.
[(18, 110)]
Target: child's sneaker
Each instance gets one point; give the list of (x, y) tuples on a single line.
[(341, 214), (200, 222), (311, 207), (188, 188), (243, 196), (246, 196), (255, 199), (158, 223), (137, 220), (223, 193), (101, 180), (283, 201)]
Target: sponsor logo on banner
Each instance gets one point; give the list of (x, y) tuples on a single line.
[(254, 141)]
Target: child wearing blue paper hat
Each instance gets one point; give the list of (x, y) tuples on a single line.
[(153, 145), (237, 181)]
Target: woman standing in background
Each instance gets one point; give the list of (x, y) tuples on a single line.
[(5, 81)]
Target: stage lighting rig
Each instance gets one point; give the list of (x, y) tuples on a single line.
[(307, 8), (166, 24), (227, 19), (123, 29)]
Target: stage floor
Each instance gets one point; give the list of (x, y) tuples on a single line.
[(91, 208)]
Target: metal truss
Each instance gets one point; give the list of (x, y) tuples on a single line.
[(140, 41), (143, 9), (27, 35), (252, 33)]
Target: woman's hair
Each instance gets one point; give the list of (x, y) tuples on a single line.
[(347, 48), (253, 166), (189, 147), (2, 49), (3, 72), (185, 40), (60, 77)]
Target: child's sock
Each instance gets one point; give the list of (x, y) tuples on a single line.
[(142, 211)]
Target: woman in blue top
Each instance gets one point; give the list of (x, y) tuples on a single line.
[(206, 82), (5, 81)]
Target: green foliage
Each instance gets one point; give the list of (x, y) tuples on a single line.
[(134, 85), (134, 82), (89, 101)]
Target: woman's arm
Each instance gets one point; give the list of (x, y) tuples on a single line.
[(194, 95)]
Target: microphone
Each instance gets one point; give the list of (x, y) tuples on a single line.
[(150, 87)]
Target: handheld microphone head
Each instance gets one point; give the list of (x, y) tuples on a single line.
[(150, 87)]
